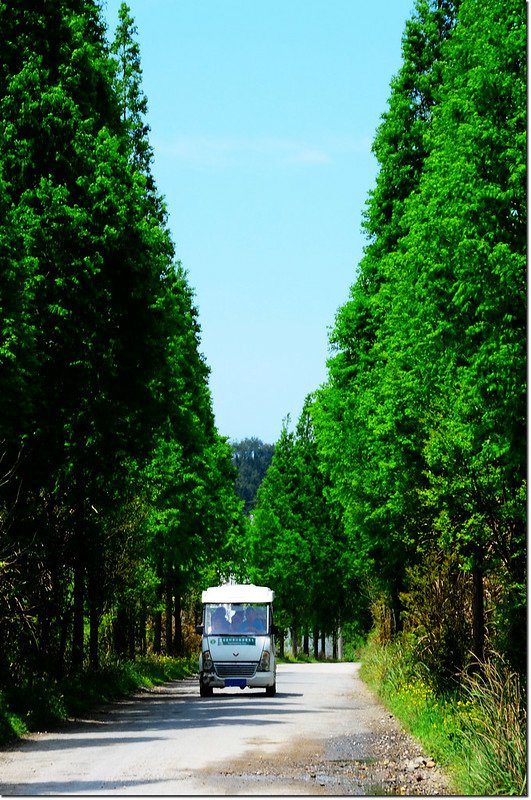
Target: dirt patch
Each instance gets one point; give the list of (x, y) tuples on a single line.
[(383, 762)]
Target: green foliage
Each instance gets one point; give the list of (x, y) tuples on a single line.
[(278, 553), (354, 638), (38, 701), (402, 489), (132, 102), (368, 430), (11, 725), (495, 732)]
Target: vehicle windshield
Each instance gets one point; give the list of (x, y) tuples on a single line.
[(236, 618)]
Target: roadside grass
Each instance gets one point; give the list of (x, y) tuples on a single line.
[(301, 658), (477, 733), (41, 702)]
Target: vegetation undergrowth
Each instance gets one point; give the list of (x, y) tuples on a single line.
[(476, 731), (40, 702), (301, 658)]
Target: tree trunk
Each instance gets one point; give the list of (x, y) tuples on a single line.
[(78, 625), (131, 634), (478, 614), (169, 620), (94, 599), (316, 643), (178, 645), (142, 633), (120, 631), (94, 619), (63, 638), (157, 635), (306, 643), (294, 638), (395, 611)]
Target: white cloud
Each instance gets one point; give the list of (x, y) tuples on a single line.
[(218, 152)]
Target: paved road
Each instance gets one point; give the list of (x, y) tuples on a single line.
[(169, 741)]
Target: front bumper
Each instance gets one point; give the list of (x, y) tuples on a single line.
[(239, 675)]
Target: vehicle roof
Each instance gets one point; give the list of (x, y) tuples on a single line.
[(238, 593)]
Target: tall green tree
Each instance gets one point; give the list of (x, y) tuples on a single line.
[(371, 452), (420, 424), (132, 101), (58, 155), (296, 539), (192, 506), (333, 592), (468, 302), (278, 555)]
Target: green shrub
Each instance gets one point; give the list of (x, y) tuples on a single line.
[(354, 637), (11, 725), (439, 592), (41, 702), (37, 701)]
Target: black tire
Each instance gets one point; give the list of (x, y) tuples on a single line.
[(271, 690)]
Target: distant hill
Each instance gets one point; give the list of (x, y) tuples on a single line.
[(252, 458)]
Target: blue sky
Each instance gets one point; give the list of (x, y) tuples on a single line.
[(262, 116)]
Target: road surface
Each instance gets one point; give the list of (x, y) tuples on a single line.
[(321, 734)]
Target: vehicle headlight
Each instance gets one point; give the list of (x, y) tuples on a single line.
[(207, 660), (263, 666)]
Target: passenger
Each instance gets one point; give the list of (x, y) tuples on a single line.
[(261, 623), (219, 622), (253, 622), (237, 622)]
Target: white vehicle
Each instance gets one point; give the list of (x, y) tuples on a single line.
[(238, 647)]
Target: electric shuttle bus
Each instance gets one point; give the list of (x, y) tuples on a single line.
[(238, 646)]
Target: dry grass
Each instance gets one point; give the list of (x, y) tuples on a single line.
[(495, 731)]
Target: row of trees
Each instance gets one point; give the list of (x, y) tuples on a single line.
[(418, 437), (296, 540), (116, 490), (401, 490)]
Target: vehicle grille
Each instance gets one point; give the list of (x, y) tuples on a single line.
[(236, 670)]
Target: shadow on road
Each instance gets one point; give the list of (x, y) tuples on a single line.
[(74, 787), (174, 707)]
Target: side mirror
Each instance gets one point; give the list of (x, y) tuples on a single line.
[(199, 629), (274, 629)]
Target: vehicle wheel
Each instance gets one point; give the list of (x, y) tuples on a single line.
[(271, 690), (205, 691)]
